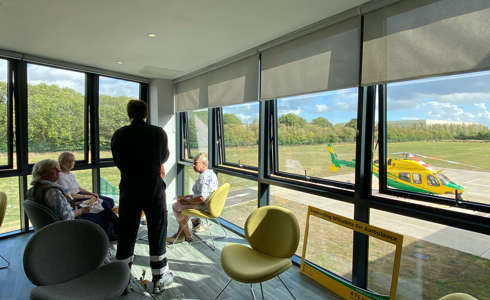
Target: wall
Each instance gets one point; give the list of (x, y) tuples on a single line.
[(162, 114)]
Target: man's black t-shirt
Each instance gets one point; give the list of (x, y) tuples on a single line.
[(138, 151)]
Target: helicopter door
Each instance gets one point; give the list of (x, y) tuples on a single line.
[(417, 178), (431, 180)]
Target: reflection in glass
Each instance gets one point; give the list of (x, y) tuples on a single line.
[(241, 134), (307, 124), (109, 183), (436, 259), (3, 113), (439, 128), (242, 199), (198, 132), (329, 245), (114, 95), (11, 221), (56, 109)]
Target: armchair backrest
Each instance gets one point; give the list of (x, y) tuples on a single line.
[(38, 214), (63, 251), (273, 230), (217, 200), (3, 206)]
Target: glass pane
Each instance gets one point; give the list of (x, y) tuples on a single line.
[(3, 112), (114, 95), (436, 259), (329, 245), (307, 124), (198, 131), (56, 108), (109, 183), (242, 199), (438, 135), (84, 179), (10, 186), (241, 133)]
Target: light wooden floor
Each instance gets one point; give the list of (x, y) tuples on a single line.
[(197, 270)]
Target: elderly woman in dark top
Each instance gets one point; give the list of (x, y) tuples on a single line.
[(47, 192)]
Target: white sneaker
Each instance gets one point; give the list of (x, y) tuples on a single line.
[(163, 282)]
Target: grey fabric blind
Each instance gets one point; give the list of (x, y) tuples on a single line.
[(418, 38), (232, 84), (327, 59)]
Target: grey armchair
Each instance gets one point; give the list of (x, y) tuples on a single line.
[(64, 261), (38, 214)]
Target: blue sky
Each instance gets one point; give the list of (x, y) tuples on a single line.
[(37, 74), (463, 97)]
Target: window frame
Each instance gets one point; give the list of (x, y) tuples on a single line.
[(81, 162), (221, 159), (143, 95), (382, 99)]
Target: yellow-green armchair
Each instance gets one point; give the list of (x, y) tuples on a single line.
[(273, 235), (215, 206)]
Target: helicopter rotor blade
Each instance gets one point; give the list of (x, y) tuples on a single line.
[(446, 160)]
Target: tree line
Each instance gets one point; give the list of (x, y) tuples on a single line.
[(56, 118), (295, 130), (56, 122)]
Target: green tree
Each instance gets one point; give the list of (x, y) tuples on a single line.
[(352, 123), (229, 119), (322, 122), (292, 120)]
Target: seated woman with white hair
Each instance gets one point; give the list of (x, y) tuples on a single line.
[(47, 192)]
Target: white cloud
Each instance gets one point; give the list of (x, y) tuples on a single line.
[(244, 118), (461, 98), (481, 106), (319, 108), (296, 111)]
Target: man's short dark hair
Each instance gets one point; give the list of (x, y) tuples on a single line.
[(137, 109)]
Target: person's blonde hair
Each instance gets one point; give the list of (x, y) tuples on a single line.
[(62, 158), (203, 157), (40, 169)]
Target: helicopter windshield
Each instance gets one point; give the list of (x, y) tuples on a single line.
[(444, 180)]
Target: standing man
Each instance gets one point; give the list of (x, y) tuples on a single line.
[(139, 150)]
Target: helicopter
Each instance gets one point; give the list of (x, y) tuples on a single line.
[(408, 173)]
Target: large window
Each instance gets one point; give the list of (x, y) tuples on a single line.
[(308, 124), (241, 134), (56, 112), (328, 244), (241, 200), (114, 95), (436, 259), (439, 136)]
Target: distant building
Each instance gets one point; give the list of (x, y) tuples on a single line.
[(405, 123)]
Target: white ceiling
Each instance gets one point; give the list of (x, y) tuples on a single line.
[(191, 34)]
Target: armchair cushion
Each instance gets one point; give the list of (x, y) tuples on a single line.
[(247, 265)]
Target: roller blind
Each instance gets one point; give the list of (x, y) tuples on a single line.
[(232, 84), (326, 59), (419, 38)]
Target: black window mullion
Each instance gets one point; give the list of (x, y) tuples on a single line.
[(145, 97), (363, 187), (382, 141), (92, 96)]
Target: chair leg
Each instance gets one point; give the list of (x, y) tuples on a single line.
[(262, 291), (8, 263), (223, 289), (286, 287), (252, 291)]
